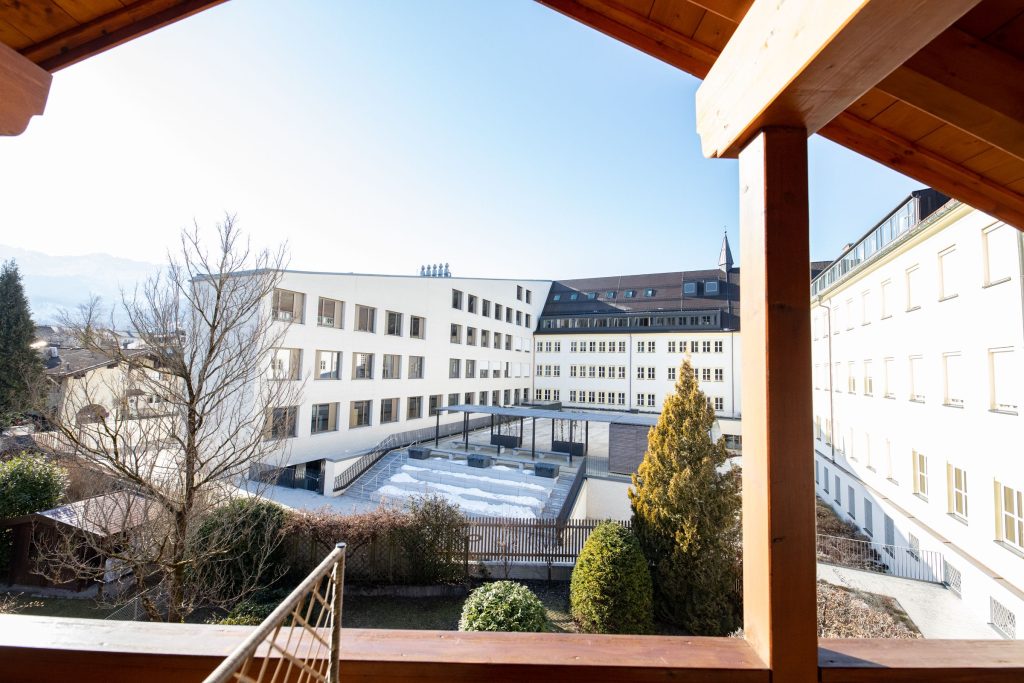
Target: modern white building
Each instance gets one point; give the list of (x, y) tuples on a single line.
[(918, 332), (616, 343), (378, 355)]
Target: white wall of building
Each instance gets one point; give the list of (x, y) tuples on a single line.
[(425, 297), (932, 370)]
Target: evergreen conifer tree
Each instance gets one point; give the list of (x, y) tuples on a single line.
[(686, 514), (20, 366)]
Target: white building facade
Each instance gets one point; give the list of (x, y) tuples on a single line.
[(918, 333), (379, 355)]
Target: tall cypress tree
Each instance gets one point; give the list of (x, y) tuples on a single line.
[(20, 366), (686, 513)]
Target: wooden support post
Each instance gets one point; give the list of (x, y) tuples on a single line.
[(779, 608), (24, 88)]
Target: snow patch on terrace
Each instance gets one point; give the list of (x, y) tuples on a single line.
[(477, 507)]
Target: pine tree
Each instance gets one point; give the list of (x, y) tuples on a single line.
[(686, 514), (20, 366)]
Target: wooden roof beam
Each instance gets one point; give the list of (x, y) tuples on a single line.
[(24, 88), (968, 84), (802, 62)]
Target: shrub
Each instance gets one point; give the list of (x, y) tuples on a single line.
[(250, 531), (435, 541), (611, 585), (247, 613), (503, 606), (28, 483)]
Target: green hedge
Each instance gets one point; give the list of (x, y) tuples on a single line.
[(503, 606), (611, 588)]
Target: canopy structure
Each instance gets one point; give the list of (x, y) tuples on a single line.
[(568, 446)]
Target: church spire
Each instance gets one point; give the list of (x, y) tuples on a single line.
[(725, 260)]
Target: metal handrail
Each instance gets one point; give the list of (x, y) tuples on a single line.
[(238, 665), (574, 490), (883, 558)]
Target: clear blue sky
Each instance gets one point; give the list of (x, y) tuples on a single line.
[(501, 137)]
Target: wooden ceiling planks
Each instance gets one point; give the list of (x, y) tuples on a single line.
[(915, 141)]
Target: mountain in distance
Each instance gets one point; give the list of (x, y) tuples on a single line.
[(53, 283)]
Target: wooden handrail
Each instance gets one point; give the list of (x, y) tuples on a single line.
[(46, 648)]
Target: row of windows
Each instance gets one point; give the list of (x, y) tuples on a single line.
[(630, 320), (999, 264), (286, 364), (509, 314), (709, 287), (853, 376), (1009, 502), (282, 423), (618, 398), (486, 337), (648, 346), (289, 306)]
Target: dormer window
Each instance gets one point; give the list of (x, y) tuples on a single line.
[(690, 288), (591, 295), (609, 294), (574, 296), (711, 287), (556, 297), (630, 293), (648, 292)]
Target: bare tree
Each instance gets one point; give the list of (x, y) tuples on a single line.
[(177, 423)]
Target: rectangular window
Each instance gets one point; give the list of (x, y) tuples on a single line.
[(837, 493), (468, 398), (705, 374), (885, 297), (330, 313), (719, 346), (890, 534), (999, 250), (281, 422), (416, 367), (391, 367), (705, 347), (557, 347), (1011, 514), (651, 373), (591, 371), (1004, 380), (849, 314), (869, 522), (485, 308), (672, 374), (324, 419), (471, 304), (483, 398), (508, 314), (456, 299), (671, 347), (600, 372), (651, 347), (519, 317), (851, 378), (359, 415), (455, 337), (957, 487), (388, 410), (470, 368), (453, 399), (434, 404), (826, 479), (519, 292), (414, 408), (417, 327), (640, 347), (952, 380), (651, 400), (454, 368), (394, 324), (286, 364), (917, 379), (865, 308), (719, 375), (851, 503), (328, 364), (529, 297), (640, 372), (485, 338), (366, 318), (508, 342), (719, 403), (622, 372), (471, 336), (288, 306), (572, 396), (920, 474), (497, 311), (948, 271), (362, 366), (913, 288), (889, 377)]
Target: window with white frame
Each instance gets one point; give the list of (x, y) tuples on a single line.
[(591, 371), (414, 408), (470, 368), (1011, 516), (454, 368), (917, 379), (849, 314), (455, 334), (416, 367), (671, 347), (359, 414), (641, 372), (889, 377), (885, 298), (1004, 380), (719, 404), (920, 464), (471, 336), (719, 375), (456, 299), (869, 380), (694, 347), (388, 410), (281, 423), (640, 347), (949, 273), (913, 282), (328, 365), (719, 346), (851, 502), (952, 370), (851, 378), (999, 252), (651, 372), (957, 487), (362, 366), (651, 400), (869, 522), (651, 346), (672, 374), (865, 307)]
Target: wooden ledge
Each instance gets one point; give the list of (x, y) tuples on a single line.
[(974, 661)]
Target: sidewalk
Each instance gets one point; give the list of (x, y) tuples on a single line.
[(935, 610)]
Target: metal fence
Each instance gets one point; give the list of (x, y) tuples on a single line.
[(301, 639), (904, 562), (528, 540), (286, 477)]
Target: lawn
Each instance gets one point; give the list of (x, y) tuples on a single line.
[(57, 607)]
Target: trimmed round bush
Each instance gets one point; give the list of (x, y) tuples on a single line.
[(503, 606), (611, 589)]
